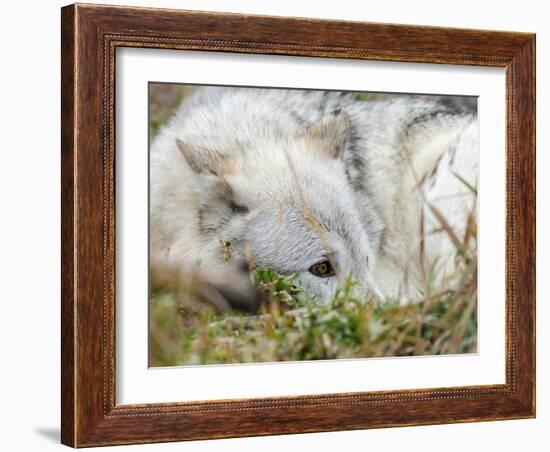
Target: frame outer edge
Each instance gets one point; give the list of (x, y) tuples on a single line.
[(68, 230), (534, 226), (525, 62)]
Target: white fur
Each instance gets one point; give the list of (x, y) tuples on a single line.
[(276, 153)]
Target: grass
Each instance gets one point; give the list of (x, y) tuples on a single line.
[(164, 100), (291, 326)]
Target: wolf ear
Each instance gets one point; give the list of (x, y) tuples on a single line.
[(330, 133), (202, 160)]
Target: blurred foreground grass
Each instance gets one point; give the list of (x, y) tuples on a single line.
[(292, 327)]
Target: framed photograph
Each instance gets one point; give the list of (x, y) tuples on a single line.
[(282, 225)]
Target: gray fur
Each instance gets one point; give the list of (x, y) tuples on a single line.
[(296, 177)]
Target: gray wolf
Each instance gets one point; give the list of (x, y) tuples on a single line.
[(315, 183)]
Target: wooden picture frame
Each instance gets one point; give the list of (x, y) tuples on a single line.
[(90, 36)]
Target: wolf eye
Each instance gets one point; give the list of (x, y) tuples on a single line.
[(322, 269), (237, 209)]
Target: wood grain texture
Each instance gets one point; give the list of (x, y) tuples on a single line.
[(68, 310), (90, 36)]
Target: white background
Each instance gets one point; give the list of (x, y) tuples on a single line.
[(30, 226), (137, 384)]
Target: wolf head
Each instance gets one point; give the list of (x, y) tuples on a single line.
[(283, 199)]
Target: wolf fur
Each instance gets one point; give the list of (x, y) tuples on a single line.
[(291, 178)]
